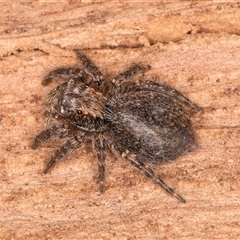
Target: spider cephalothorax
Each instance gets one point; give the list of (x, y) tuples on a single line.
[(144, 122), (70, 100)]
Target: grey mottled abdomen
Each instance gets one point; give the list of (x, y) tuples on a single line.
[(153, 126)]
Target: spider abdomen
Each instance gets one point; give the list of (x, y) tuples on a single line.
[(151, 125)]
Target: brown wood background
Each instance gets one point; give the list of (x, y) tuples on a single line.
[(194, 47)]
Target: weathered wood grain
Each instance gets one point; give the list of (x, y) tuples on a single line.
[(194, 47)]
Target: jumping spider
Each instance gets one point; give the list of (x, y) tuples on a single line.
[(141, 121)]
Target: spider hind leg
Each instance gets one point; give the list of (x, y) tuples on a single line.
[(153, 176), (166, 90)]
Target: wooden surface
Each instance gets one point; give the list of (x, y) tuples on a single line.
[(194, 47)]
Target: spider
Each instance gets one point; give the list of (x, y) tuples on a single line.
[(141, 121)]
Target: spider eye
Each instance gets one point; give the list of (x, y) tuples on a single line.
[(79, 111)]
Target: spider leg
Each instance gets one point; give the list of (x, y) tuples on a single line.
[(99, 144), (168, 91), (66, 149), (91, 69), (129, 73), (64, 73), (153, 176), (49, 134), (116, 85), (148, 85)]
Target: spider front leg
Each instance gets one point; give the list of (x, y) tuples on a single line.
[(49, 134), (99, 144), (63, 73), (152, 175), (90, 74), (91, 69), (66, 149)]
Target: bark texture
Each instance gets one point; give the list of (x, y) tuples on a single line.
[(194, 47)]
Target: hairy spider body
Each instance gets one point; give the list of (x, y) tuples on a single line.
[(141, 121)]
